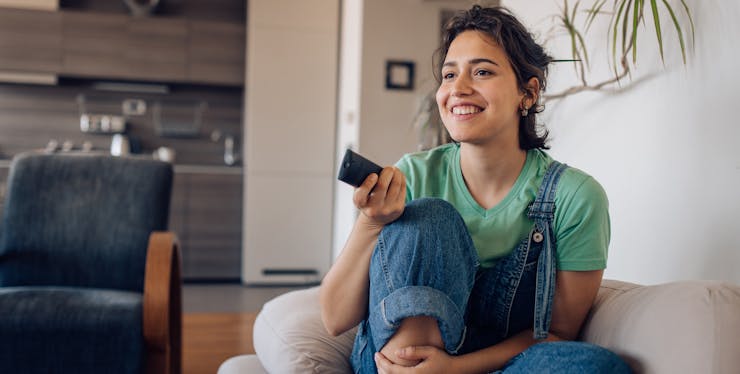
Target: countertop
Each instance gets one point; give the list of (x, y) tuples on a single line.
[(182, 168)]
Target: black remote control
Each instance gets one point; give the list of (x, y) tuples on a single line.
[(355, 168)]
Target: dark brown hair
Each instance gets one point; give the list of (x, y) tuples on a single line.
[(527, 58)]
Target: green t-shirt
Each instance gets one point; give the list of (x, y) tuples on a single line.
[(581, 223)]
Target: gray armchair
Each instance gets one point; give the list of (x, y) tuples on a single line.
[(89, 281)]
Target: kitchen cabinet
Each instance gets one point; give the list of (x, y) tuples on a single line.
[(205, 212), (157, 48), (118, 46), (216, 52), (30, 41)]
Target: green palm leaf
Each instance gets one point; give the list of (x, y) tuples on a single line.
[(678, 30), (625, 24), (577, 33), (691, 20), (576, 39), (656, 20), (635, 24), (618, 15), (593, 12)]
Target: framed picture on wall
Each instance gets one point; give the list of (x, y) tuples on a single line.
[(399, 75)]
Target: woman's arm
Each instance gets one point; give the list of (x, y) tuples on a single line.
[(344, 290), (575, 293)]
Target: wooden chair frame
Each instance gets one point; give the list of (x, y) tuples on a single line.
[(162, 314)]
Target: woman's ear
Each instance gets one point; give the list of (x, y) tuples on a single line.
[(532, 92)]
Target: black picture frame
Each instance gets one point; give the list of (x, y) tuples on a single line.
[(399, 75)]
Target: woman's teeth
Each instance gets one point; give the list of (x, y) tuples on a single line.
[(467, 109)]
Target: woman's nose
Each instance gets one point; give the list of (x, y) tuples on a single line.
[(461, 86)]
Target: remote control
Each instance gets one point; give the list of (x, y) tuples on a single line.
[(355, 168)]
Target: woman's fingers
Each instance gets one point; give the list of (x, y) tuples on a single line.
[(381, 189), (384, 365), (397, 189), (362, 193), (375, 192)]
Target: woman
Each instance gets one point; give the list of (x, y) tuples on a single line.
[(483, 254)]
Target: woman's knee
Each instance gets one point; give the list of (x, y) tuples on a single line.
[(432, 211), (568, 357), (432, 228)]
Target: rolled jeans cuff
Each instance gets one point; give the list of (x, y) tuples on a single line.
[(414, 301)]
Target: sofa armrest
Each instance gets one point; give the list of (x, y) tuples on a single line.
[(289, 337), (162, 309), (688, 326)]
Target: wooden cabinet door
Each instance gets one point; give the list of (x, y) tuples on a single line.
[(30, 41), (94, 45), (216, 53), (156, 48), (118, 46), (206, 214)]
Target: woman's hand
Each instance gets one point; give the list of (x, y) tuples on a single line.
[(432, 360), (381, 199)]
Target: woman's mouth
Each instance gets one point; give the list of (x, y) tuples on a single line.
[(466, 109)]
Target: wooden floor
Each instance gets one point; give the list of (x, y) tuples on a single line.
[(211, 338)]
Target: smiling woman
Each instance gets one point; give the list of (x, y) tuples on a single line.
[(466, 262)]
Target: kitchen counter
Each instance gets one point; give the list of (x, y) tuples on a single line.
[(207, 169), (181, 168)]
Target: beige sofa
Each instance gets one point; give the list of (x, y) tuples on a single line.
[(681, 327)]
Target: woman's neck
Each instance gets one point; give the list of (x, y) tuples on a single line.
[(490, 172)]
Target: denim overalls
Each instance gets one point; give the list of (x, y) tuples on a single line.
[(425, 264)]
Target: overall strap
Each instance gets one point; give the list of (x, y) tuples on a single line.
[(543, 206), (542, 211)]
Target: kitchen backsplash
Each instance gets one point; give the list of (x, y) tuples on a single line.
[(202, 124)]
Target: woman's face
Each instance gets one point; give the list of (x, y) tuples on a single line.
[(479, 99)]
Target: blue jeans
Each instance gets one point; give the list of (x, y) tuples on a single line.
[(425, 264)]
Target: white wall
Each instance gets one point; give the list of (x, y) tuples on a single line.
[(348, 116), (394, 30), (375, 121), (665, 150)]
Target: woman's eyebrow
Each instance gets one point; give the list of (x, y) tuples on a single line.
[(472, 62), (482, 60)]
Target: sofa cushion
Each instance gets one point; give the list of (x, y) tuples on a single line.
[(70, 330), (680, 327), (289, 337)]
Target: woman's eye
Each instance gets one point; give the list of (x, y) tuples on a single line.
[(483, 73), (447, 76)]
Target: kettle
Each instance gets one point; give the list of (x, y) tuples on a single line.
[(120, 145)]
